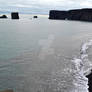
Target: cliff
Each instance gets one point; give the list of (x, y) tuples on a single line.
[(9, 90), (77, 14), (55, 14)]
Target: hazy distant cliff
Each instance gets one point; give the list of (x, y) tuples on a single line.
[(77, 14)]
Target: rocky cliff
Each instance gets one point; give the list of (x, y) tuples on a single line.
[(55, 14), (77, 14)]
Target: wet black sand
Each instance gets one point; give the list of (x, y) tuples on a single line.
[(90, 81)]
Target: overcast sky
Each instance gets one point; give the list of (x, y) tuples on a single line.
[(42, 6)]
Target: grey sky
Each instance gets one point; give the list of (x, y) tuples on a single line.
[(42, 6)]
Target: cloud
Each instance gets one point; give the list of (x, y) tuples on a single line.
[(87, 4), (43, 6)]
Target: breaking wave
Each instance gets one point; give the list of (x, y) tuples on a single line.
[(82, 68), (74, 79)]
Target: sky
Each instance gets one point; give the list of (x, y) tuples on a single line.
[(42, 6)]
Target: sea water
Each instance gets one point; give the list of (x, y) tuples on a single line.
[(42, 55)]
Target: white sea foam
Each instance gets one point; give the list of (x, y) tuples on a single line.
[(82, 68)]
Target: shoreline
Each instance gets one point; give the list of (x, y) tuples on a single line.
[(83, 67)]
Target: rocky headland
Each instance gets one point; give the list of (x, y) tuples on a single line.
[(76, 14)]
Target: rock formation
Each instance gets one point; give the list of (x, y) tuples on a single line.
[(77, 14), (3, 16), (35, 17), (14, 15), (55, 14), (73, 14)]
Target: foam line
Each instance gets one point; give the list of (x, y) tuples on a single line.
[(82, 68)]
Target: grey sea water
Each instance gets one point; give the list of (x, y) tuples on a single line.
[(42, 55)]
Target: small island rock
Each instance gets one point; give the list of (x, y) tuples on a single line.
[(35, 16), (3, 16), (14, 15)]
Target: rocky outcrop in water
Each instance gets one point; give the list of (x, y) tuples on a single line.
[(3, 16), (35, 16), (77, 14), (14, 15)]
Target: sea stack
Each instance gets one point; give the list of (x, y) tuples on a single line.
[(35, 17), (14, 15)]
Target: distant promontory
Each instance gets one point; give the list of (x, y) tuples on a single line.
[(75, 14)]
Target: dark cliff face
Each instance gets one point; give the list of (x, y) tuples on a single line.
[(73, 14), (86, 15), (54, 14), (77, 14)]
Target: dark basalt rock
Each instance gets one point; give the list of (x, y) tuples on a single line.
[(55, 14), (35, 17), (90, 81), (3, 16), (14, 15), (86, 15), (77, 14), (73, 14)]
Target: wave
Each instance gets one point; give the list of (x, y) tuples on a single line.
[(82, 68), (73, 78)]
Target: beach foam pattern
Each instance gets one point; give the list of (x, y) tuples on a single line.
[(82, 68), (73, 79)]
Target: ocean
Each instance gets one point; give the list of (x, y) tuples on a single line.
[(42, 55)]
